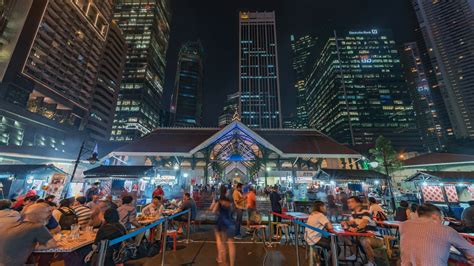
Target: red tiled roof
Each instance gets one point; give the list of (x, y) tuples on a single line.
[(444, 176), (438, 158), (183, 140)]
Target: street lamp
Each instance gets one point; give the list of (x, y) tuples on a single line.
[(176, 167)]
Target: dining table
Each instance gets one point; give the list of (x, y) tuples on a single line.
[(67, 244)]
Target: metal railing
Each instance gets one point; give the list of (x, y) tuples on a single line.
[(324, 233), (104, 244)]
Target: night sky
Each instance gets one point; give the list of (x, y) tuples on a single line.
[(215, 23)]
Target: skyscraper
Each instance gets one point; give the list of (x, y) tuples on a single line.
[(259, 85), (422, 94), (231, 107), (186, 106), (448, 31), (356, 91), (145, 25), (54, 54), (303, 54), (104, 97)]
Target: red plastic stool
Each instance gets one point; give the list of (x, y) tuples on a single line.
[(174, 235)]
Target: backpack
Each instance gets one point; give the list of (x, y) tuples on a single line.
[(67, 218)]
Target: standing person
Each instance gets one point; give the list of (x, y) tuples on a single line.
[(251, 205), (158, 192), (18, 240), (403, 212), (376, 210), (275, 201), (92, 204), (93, 191), (111, 229), (83, 212), (426, 241), (224, 228), (361, 221), (239, 204), (7, 215), (128, 213), (332, 211)]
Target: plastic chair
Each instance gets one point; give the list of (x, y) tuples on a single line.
[(259, 228), (174, 235)]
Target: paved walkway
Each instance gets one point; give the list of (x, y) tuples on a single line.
[(202, 251)]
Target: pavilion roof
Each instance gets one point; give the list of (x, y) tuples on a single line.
[(433, 159), (285, 142), (122, 171), (442, 176)]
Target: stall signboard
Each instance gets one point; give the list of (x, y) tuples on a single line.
[(304, 180), (305, 173), (432, 193), (451, 194)]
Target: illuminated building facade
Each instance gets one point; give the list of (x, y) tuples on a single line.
[(145, 25), (356, 92), (426, 109), (104, 99), (448, 31), (258, 70), (54, 53), (186, 107), (302, 49), (231, 107)]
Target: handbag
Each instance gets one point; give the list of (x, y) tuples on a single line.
[(126, 252)]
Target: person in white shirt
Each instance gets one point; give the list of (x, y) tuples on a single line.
[(376, 210), (154, 208), (318, 219)]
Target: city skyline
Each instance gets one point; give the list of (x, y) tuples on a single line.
[(190, 22)]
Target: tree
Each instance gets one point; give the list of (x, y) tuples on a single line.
[(388, 161)]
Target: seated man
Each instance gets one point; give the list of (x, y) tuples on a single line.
[(361, 221), (188, 204), (426, 241), (19, 239), (128, 213)]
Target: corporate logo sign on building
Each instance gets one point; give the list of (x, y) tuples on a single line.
[(364, 32)]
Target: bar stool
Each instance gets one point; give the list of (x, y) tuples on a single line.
[(317, 251), (174, 235), (283, 229), (274, 226), (256, 229)]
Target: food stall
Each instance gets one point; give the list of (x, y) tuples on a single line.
[(449, 190), (119, 180), (17, 179)]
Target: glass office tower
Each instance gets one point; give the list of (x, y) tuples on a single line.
[(356, 91), (186, 106), (448, 32), (303, 55), (145, 25), (259, 86)]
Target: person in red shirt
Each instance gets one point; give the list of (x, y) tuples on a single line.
[(158, 192), (251, 204)]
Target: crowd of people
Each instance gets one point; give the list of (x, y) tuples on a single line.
[(30, 223)]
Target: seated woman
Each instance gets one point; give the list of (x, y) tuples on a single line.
[(110, 229), (318, 219)]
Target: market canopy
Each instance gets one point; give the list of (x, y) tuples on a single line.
[(437, 159), (442, 176), (120, 171), (349, 174), (23, 169)]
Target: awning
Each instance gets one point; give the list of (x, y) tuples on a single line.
[(442, 176), (24, 169), (349, 175), (120, 171)]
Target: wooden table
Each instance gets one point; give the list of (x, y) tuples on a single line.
[(338, 230), (66, 245), (391, 224)]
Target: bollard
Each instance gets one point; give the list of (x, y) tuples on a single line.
[(102, 252), (335, 262), (296, 245), (270, 225), (311, 255), (164, 243), (188, 231)]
